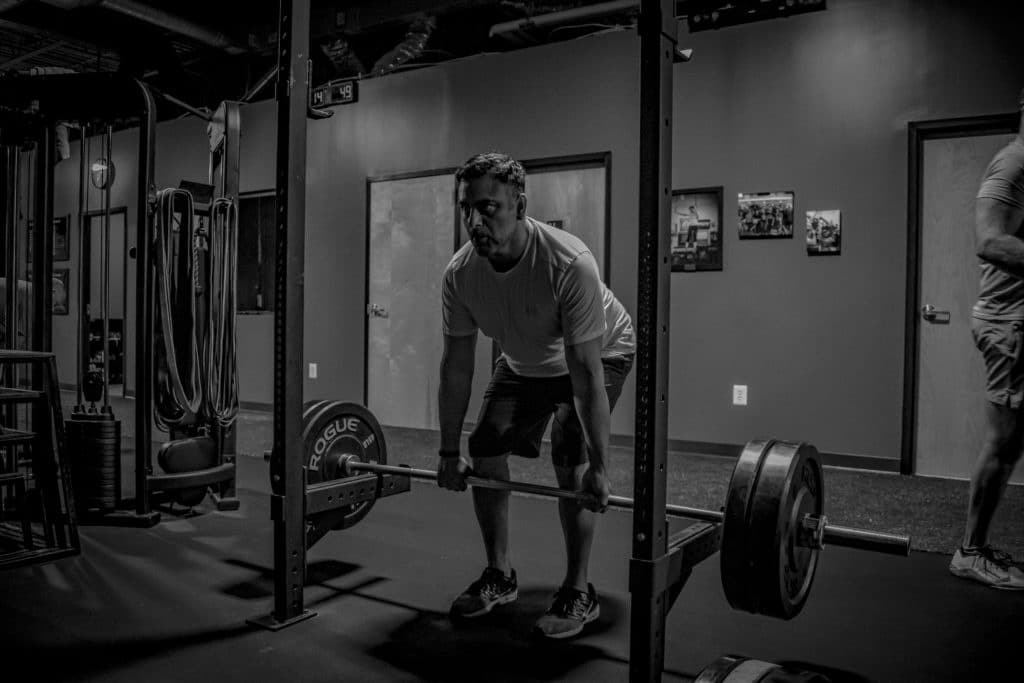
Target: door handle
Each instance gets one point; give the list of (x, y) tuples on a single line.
[(376, 310), (933, 315)]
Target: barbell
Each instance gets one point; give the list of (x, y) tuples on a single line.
[(773, 522)]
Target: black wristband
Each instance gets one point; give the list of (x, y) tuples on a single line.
[(448, 454)]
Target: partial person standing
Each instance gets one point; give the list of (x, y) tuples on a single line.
[(998, 329)]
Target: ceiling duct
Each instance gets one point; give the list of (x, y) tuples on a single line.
[(344, 59), (150, 15), (410, 48), (510, 29)]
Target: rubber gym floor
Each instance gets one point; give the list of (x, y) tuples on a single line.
[(170, 603)]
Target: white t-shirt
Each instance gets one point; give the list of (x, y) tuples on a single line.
[(552, 297)]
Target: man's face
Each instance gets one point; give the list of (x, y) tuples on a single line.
[(491, 212)]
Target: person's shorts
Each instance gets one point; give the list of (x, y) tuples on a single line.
[(1001, 343), (516, 410)]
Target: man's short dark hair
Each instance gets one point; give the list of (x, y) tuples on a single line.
[(500, 166)]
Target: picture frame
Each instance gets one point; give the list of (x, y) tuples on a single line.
[(61, 243), (824, 232), (60, 291), (695, 231), (61, 249), (765, 215)]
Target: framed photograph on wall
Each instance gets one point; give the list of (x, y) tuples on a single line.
[(61, 247), (765, 215), (824, 232), (60, 291), (61, 250), (696, 229)]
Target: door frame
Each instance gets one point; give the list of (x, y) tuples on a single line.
[(920, 132)]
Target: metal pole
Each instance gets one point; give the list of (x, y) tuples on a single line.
[(874, 541), (11, 243), (649, 604), (42, 248), (287, 474), (83, 187), (105, 268), (146, 194)]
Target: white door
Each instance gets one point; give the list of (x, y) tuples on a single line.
[(950, 391), (411, 240)]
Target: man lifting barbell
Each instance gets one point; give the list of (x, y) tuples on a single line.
[(567, 346)]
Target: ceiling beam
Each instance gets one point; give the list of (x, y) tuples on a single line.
[(30, 55)]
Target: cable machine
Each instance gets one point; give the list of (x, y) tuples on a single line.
[(183, 277)]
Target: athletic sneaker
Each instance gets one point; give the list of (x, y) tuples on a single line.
[(491, 589), (989, 566), (569, 613)]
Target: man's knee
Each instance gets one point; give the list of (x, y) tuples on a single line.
[(1004, 442), (484, 441)]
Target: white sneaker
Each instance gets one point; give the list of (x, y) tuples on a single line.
[(989, 566)]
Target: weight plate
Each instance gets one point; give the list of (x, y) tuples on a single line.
[(278, 459), (332, 429), (751, 671), (735, 553), (789, 487), (732, 669), (716, 671)]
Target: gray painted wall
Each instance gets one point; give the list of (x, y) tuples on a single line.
[(817, 104)]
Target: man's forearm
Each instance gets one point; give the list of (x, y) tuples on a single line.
[(595, 419), (453, 401), (1005, 252)]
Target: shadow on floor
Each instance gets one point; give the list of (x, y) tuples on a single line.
[(497, 647)]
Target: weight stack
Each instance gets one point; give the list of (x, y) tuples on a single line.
[(94, 448)]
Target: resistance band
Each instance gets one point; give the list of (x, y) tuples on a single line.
[(219, 350), (178, 394)]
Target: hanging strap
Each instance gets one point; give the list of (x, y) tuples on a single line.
[(178, 390), (221, 368)]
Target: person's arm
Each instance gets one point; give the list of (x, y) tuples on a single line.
[(995, 224), (453, 393), (591, 400), (457, 362)]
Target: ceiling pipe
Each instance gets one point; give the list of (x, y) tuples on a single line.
[(9, 4), (562, 17), (260, 84), (29, 55), (158, 18)]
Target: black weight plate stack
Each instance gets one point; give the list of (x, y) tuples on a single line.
[(94, 447)]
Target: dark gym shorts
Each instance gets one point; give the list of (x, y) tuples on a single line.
[(516, 410), (1000, 343)]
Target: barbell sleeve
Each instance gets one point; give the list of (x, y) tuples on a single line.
[(861, 539)]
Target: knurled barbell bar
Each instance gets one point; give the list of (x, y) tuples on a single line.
[(773, 522), (815, 532)]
